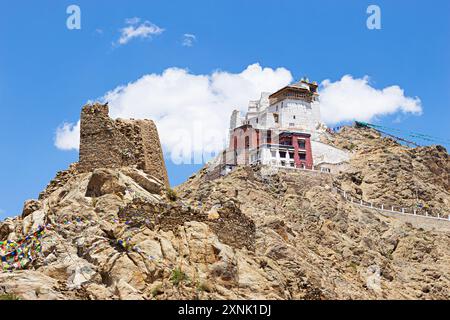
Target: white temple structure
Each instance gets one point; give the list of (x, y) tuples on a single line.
[(282, 129)]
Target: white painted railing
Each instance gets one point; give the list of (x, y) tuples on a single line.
[(300, 169), (389, 209)]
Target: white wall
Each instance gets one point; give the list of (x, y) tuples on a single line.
[(325, 153), (235, 120), (307, 115)]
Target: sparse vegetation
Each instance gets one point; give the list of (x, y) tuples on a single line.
[(178, 276), (204, 286), (157, 290), (351, 146), (354, 266), (171, 194), (94, 201), (9, 296)]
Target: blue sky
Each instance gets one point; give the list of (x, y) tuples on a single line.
[(47, 72)]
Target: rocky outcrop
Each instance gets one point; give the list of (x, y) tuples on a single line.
[(116, 233), (326, 247), (384, 172), (61, 178)]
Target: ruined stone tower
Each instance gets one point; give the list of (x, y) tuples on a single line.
[(108, 143)]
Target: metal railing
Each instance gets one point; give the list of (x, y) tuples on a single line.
[(390, 209)]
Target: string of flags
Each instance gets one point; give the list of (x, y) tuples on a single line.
[(126, 245), (77, 220), (335, 129), (412, 134), (18, 254), (83, 220)]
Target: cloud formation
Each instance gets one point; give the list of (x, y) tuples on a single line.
[(354, 99), (192, 111), (68, 136), (135, 29), (188, 40)]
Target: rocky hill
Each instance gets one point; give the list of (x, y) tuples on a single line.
[(118, 233), (385, 172)]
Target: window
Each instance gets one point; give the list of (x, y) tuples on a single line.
[(302, 156), (256, 120), (291, 124), (274, 154), (291, 155), (247, 142), (269, 136), (302, 143), (275, 117), (293, 117), (282, 154)]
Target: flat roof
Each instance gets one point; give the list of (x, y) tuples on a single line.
[(294, 133)]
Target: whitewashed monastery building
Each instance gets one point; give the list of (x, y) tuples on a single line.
[(281, 129)]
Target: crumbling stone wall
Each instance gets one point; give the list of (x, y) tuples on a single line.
[(108, 143), (231, 226)]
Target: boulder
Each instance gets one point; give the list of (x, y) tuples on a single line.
[(30, 285), (30, 206), (103, 182), (148, 183)]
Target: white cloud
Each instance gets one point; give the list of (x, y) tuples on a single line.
[(68, 136), (136, 30), (191, 111), (354, 99), (188, 40), (134, 20)]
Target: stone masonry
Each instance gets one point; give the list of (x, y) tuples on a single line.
[(108, 143)]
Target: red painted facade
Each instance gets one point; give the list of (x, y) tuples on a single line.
[(247, 138), (242, 140), (302, 148)]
